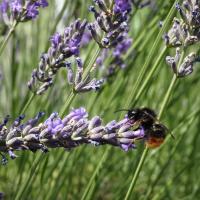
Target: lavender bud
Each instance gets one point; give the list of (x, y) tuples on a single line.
[(91, 27), (105, 42), (102, 5), (171, 61), (70, 74), (94, 122), (109, 136), (190, 40), (79, 72), (186, 67), (11, 154), (96, 130), (96, 136), (80, 131), (31, 138), (125, 140)]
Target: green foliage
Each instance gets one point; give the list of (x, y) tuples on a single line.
[(169, 172)]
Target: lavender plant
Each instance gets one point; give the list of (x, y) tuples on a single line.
[(15, 11), (73, 130), (104, 172), (110, 31), (62, 48), (184, 33)]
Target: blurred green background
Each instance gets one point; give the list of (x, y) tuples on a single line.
[(169, 172)]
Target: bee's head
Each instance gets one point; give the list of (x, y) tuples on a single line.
[(145, 116)]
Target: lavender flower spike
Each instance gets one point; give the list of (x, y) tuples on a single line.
[(63, 46), (186, 67), (20, 11), (184, 32), (72, 131), (113, 23)]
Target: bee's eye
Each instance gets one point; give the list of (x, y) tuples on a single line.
[(131, 114)]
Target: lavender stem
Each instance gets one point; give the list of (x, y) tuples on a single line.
[(27, 103), (85, 74), (4, 43)]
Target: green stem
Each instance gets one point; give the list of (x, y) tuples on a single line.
[(147, 79), (152, 52), (136, 174), (23, 110), (70, 98), (103, 159), (171, 86), (91, 63), (145, 152), (28, 180), (85, 74), (4, 43), (167, 96)]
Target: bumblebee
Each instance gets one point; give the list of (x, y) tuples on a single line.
[(155, 132)]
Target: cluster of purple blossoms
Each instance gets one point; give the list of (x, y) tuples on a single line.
[(122, 6), (19, 10), (110, 23), (186, 67), (184, 32), (63, 46), (117, 61), (72, 131), (110, 31)]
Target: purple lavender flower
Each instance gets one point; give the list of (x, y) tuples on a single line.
[(122, 6), (113, 23), (16, 7), (56, 39), (183, 33), (32, 11), (43, 3), (117, 52), (71, 131), (4, 6), (20, 11), (86, 38), (123, 46), (186, 67), (62, 48)]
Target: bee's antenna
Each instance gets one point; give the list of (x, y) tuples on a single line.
[(172, 135), (170, 132), (121, 110)]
